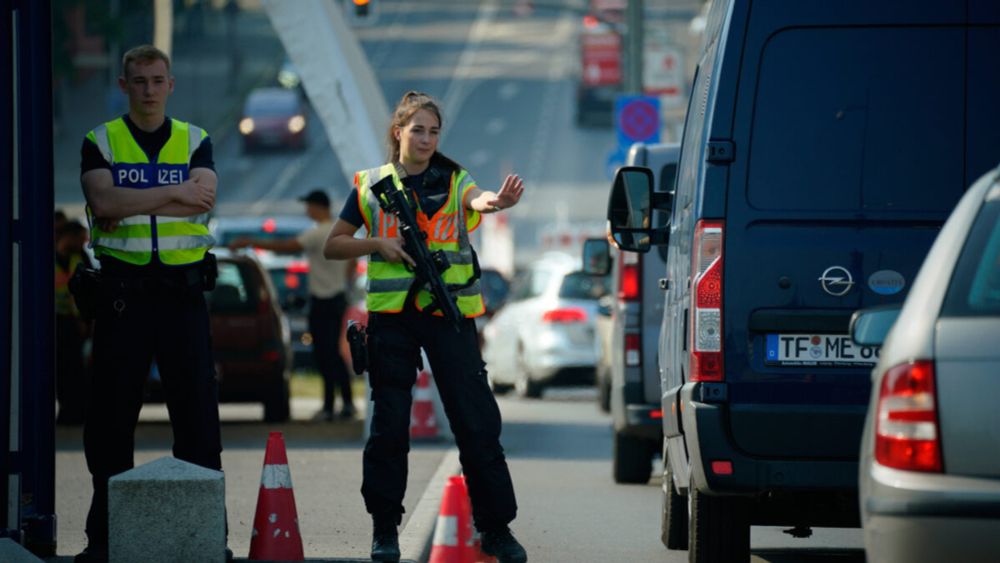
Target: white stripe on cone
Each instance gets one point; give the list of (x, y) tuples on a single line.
[(446, 531), (276, 477)]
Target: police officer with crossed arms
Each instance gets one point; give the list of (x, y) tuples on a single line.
[(149, 181)]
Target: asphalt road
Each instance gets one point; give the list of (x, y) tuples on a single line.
[(570, 509), (506, 84)]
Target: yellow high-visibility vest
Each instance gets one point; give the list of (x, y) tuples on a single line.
[(447, 230), (177, 240)]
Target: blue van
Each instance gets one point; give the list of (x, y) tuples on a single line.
[(825, 145)]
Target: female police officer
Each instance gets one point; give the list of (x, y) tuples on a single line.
[(400, 324)]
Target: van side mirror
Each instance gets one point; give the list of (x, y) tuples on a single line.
[(596, 257), (869, 327), (630, 209)]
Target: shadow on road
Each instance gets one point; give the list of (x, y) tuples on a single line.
[(807, 555)]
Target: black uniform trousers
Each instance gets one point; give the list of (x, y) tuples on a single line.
[(326, 316), (139, 321), (395, 341)]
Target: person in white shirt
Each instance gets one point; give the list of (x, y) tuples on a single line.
[(328, 282)]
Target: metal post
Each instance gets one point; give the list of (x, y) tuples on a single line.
[(633, 47), (9, 527), (36, 301)]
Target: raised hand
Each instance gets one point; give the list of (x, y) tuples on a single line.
[(509, 194)]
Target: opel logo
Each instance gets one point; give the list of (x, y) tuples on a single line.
[(836, 281)]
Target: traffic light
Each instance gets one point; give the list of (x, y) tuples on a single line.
[(361, 7)]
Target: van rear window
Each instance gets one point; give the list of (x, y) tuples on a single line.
[(859, 120)]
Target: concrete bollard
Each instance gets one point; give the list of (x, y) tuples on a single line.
[(167, 510)]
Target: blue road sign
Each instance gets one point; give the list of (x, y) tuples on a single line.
[(616, 159), (637, 120)]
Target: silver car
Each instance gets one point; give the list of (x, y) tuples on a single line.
[(544, 334), (930, 453)]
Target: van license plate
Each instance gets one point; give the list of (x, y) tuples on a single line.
[(818, 350)]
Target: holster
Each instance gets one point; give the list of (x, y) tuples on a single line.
[(209, 271), (85, 285), (357, 338)]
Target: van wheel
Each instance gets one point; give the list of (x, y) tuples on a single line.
[(719, 528), (674, 515), (277, 406), (633, 459)]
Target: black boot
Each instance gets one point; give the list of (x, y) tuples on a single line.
[(500, 543), (385, 542)]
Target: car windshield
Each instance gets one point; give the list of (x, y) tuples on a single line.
[(580, 285), (292, 287), (231, 294), (265, 106), (975, 287)]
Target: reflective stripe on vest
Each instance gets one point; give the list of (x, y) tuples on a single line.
[(177, 240), (448, 230)]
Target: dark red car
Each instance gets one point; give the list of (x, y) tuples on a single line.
[(273, 117)]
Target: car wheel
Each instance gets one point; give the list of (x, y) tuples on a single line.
[(523, 384), (718, 528), (674, 515), (277, 407), (632, 460)]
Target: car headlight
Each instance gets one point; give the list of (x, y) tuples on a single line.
[(296, 123), (246, 125)]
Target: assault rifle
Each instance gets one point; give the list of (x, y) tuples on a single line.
[(429, 265)]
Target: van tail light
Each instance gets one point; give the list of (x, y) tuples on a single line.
[(633, 351), (706, 302), (565, 315), (907, 435), (630, 278)]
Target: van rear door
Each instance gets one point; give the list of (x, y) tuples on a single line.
[(854, 122)]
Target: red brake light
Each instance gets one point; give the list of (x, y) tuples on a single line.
[(590, 21), (298, 267), (629, 277), (269, 225), (270, 356), (292, 281), (906, 431), (722, 467), (706, 302), (565, 315)]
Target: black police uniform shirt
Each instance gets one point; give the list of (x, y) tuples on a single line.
[(151, 142), (431, 186)]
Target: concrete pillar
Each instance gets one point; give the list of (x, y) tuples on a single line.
[(167, 511)]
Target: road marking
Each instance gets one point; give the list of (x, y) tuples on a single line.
[(415, 540), (495, 126), (288, 173), (508, 91), (462, 80), (480, 157), (550, 102)]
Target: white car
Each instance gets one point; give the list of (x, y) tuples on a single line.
[(544, 334)]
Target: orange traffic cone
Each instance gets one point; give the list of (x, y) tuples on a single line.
[(455, 538), (453, 532), (276, 525), (423, 423)]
